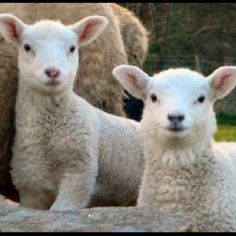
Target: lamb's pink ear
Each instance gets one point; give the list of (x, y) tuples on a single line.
[(11, 27), (89, 28), (133, 79), (222, 81)]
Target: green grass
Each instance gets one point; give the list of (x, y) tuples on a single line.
[(226, 127), (226, 133)]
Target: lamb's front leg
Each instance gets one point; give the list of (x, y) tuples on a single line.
[(35, 199), (75, 190)]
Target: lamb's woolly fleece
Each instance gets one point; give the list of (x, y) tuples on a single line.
[(134, 35), (94, 81), (65, 149), (186, 172), (65, 144)]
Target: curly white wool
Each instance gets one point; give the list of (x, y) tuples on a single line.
[(66, 152), (185, 169)]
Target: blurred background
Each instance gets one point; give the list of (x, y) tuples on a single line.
[(200, 36)]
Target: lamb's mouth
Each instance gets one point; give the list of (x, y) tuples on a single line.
[(53, 83), (176, 129)]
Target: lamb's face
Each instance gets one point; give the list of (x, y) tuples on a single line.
[(48, 56), (48, 50), (178, 102)]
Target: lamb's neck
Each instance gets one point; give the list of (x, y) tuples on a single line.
[(167, 157), (173, 175)]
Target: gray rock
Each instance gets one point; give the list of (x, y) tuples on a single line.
[(106, 219)]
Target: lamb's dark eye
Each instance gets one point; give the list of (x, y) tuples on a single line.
[(201, 99), (153, 97), (72, 49), (27, 47)]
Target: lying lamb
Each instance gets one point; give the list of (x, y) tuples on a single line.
[(66, 152), (185, 169)]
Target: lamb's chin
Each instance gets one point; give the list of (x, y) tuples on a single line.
[(177, 134), (177, 140), (178, 158), (49, 88)]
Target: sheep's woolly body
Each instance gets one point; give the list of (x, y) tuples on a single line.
[(135, 38), (200, 179), (206, 188), (134, 35), (58, 139), (94, 80), (185, 169)]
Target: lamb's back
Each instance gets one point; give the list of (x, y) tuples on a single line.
[(121, 160)]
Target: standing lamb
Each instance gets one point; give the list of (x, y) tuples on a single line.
[(185, 169), (65, 149), (94, 81)]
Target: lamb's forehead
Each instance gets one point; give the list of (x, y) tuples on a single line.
[(48, 29), (180, 78)]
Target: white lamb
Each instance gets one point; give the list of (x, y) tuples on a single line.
[(66, 152), (185, 169)]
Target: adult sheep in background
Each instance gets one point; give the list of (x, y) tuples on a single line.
[(185, 170), (134, 34), (94, 80), (136, 45)]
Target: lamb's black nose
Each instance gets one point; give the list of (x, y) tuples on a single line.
[(52, 72), (176, 118)]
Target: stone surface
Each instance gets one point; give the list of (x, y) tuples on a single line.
[(109, 219)]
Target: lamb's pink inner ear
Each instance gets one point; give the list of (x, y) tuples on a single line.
[(132, 79), (222, 83), (12, 29), (134, 85), (87, 31)]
